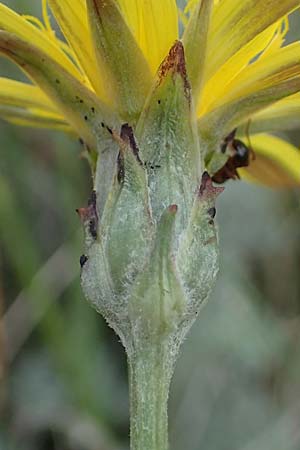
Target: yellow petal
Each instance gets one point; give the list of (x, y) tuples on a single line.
[(34, 117), (14, 23), (195, 43), (235, 23), (217, 84), (264, 73), (24, 104), (87, 115), (262, 83), (23, 95), (282, 115), (71, 15), (126, 70), (277, 162), (154, 24)]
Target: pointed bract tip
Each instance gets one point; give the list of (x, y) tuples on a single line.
[(175, 63), (82, 213), (173, 209), (207, 189)]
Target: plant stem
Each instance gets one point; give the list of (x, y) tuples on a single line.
[(150, 373)]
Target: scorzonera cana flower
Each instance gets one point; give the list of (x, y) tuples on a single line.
[(163, 115)]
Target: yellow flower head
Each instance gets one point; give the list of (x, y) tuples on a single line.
[(241, 73)]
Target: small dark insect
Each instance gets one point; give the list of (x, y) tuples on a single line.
[(83, 260), (212, 212), (240, 158), (93, 227), (152, 166)]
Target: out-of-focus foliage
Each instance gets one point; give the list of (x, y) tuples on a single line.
[(63, 372)]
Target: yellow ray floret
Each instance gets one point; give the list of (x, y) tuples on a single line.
[(102, 72), (282, 115), (236, 22), (261, 84), (34, 118), (71, 16), (154, 24), (84, 111), (277, 163), (126, 70), (217, 84), (24, 104), (266, 72), (14, 23), (16, 93)]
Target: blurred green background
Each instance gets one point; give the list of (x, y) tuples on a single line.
[(63, 372)]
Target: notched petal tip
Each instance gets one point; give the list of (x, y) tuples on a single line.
[(175, 63)]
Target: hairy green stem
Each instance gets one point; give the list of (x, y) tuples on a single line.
[(150, 372)]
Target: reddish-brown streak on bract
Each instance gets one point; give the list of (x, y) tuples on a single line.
[(207, 189), (93, 200), (121, 168), (89, 215), (175, 63), (127, 135)]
